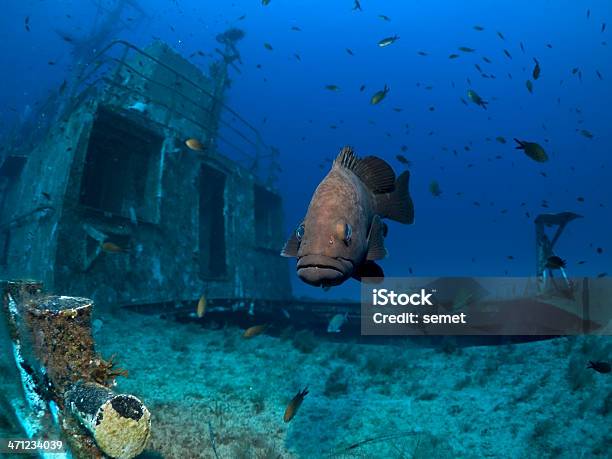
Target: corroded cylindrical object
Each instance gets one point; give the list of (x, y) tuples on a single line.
[(61, 334), (119, 423)]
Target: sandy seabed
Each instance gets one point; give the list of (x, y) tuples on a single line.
[(204, 384), (403, 401)]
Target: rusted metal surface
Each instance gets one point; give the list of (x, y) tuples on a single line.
[(67, 385)]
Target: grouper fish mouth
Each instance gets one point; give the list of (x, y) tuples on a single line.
[(323, 271), (342, 233)]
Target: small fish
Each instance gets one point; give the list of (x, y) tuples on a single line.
[(336, 323), (475, 98), (294, 404), (522, 47), (600, 366), (486, 59), (332, 87), (379, 95), (603, 26), (507, 53), (529, 86), (555, 262), (500, 139), (402, 159), (254, 331), (357, 6), (536, 69), (350, 51), (533, 150), (62, 87), (599, 75), (27, 23), (500, 35), (434, 189), (268, 46), (384, 18), (585, 133), (388, 41), (111, 247), (453, 56), (422, 53), (465, 49), (194, 144), (362, 88), (201, 308), (265, 2), (296, 29), (478, 28), (297, 56)]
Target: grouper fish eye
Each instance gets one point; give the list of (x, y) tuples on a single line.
[(299, 232)]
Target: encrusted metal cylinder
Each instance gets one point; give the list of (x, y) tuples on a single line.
[(61, 335), (119, 423)]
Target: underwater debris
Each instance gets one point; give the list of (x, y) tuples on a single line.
[(294, 405)]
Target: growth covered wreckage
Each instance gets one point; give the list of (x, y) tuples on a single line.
[(111, 204)]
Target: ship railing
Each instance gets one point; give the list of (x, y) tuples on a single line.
[(226, 130)]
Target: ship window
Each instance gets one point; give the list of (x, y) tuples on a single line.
[(268, 217), (121, 173), (212, 223)]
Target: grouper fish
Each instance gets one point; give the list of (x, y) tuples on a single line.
[(343, 233)]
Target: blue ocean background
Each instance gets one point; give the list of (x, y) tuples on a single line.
[(287, 101)]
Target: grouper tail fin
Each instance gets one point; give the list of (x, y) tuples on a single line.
[(397, 204)]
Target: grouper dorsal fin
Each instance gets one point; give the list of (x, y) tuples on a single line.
[(374, 172), (376, 241), (396, 205)]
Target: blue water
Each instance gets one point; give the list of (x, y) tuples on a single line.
[(287, 101)]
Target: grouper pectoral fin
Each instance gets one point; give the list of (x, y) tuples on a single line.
[(374, 172), (369, 272), (376, 240), (291, 247), (396, 205)]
